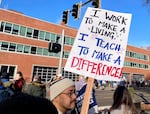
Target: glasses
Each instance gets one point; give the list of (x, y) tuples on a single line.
[(70, 93)]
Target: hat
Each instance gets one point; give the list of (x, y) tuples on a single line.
[(59, 86)]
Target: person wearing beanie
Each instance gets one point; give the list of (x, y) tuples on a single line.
[(62, 95)]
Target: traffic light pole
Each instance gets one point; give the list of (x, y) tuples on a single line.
[(86, 2), (61, 53)]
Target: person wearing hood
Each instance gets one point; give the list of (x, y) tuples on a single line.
[(36, 87)]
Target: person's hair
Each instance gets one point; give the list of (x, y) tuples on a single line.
[(22, 103), (123, 96), (36, 77), (20, 74)]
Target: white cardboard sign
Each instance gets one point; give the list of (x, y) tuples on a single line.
[(100, 45)]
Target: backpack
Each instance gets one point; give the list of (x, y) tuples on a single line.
[(5, 93)]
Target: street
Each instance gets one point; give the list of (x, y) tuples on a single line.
[(105, 97)]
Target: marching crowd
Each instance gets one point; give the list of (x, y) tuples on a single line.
[(66, 96)]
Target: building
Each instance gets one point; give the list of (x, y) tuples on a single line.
[(24, 45)]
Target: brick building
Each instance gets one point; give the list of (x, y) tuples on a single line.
[(24, 44)]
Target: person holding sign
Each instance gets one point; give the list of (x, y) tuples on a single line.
[(62, 94), (93, 107)]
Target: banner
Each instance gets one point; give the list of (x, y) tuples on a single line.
[(100, 45)]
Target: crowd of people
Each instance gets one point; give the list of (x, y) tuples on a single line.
[(66, 96)]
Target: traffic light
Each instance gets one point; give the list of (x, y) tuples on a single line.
[(54, 47), (75, 11), (96, 3), (65, 16)]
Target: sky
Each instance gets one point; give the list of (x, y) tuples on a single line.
[(51, 11)]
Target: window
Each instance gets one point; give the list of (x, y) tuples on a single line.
[(29, 32), (4, 46), (35, 34), (39, 51), (53, 37), (45, 52), (4, 68), (8, 69), (47, 36), (12, 47), (2, 26), (41, 36), (72, 41), (33, 50), (67, 40), (26, 49), (8, 27), (15, 29), (22, 31), (58, 39), (19, 48), (65, 54), (11, 71), (57, 54), (46, 73)]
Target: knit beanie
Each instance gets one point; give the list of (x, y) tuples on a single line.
[(59, 86)]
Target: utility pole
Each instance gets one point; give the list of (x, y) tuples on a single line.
[(61, 53)]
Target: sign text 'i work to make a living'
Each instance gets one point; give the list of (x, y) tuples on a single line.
[(100, 45)]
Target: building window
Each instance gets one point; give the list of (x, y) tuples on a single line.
[(58, 39), (39, 51), (72, 41), (33, 50), (11, 71), (53, 37), (67, 40), (2, 26), (47, 36), (4, 46), (12, 47), (35, 34), (66, 54), (22, 31), (46, 73), (70, 75), (45, 52), (8, 69), (26, 49), (29, 32), (15, 29), (136, 65), (8, 27), (19, 48), (41, 35)]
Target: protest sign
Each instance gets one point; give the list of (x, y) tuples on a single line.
[(100, 45)]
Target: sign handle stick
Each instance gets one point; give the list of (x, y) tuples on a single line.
[(87, 96)]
